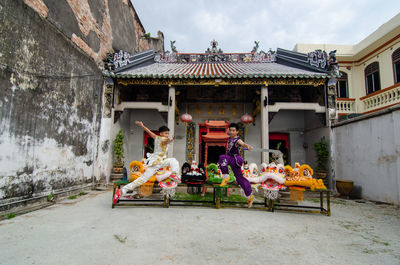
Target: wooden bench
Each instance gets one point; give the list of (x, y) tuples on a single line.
[(218, 202)]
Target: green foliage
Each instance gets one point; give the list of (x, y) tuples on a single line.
[(50, 197), (72, 197), (147, 35), (11, 215), (82, 193), (119, 148), (321, 149)]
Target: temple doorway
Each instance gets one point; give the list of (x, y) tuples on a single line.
[(212, 141), (214, 152), (280, 141)]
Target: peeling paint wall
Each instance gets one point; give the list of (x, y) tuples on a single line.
[(98, 26), (52, 133), (50, 99)]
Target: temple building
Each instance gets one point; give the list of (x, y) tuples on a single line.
[(282, 100)]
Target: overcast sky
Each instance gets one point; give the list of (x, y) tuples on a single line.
[(236, 24)]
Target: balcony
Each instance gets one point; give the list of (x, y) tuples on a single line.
[(346, 105), (382, 99)]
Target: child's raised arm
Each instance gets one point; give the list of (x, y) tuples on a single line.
[(153, 135), (240, 142)]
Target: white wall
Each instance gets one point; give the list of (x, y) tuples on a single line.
[(367, 152)]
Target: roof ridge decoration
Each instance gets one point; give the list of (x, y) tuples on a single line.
[(121, 59), (215, 54), (317, 58)]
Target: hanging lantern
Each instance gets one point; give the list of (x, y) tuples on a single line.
[(246, 119), (186, 118)]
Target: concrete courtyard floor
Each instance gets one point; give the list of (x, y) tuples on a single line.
[(88, 231)]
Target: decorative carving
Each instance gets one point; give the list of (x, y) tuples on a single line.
[(232, 81), (333, 68), (173, 48), (108, 93), (214, 48), (317, 58), (121, 58), (255, 48), (109, 62), (215, 54), (166, 57), (333, 65), (242, 136), (190, 142)]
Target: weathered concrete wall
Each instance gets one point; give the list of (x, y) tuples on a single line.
[(367, 151), (51, 90), (50, 99), (97, 26)]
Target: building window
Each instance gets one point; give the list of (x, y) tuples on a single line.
[(396, 65), (372, 80), (341, 86)]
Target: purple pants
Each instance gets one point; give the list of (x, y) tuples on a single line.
[(235, 162)]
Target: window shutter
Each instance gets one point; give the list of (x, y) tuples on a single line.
[(372, 68), (396, 55)]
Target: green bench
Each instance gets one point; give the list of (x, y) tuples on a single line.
[(217, 201)]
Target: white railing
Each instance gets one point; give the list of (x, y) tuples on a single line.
[(346, 105), (381, 99)]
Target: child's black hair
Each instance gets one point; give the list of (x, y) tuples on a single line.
[(163, 129), (234, 125)]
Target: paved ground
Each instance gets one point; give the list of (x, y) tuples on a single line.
[(88, 231)]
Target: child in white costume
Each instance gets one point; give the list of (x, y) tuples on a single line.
[(158, 159)]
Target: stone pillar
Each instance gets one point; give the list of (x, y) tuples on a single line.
[(264, 124), (171, 116), (104, 162)]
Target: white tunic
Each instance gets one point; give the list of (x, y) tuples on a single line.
[(160, 152)]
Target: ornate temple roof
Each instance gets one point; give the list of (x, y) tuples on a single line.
[(216, 64), (217, 70)]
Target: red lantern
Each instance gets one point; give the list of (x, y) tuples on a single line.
[(186, 117), (246, 119)]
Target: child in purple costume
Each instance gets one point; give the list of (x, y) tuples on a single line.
[(233, 159)]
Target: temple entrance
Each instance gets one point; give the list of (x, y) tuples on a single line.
[(214, 152), (213, 141), (280, 141)]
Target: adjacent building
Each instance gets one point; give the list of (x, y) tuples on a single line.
[(370, 70)]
